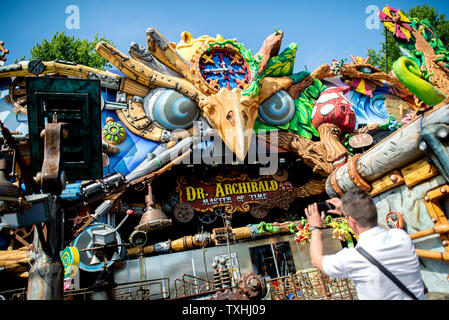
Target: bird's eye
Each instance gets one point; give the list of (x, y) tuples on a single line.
[(278, 109), (170, 109), (364, 69)]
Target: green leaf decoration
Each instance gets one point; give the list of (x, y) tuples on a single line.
[(299, 76), (282, 65)]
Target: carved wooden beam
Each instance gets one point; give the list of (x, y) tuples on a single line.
[(142, 74), (161, 49)]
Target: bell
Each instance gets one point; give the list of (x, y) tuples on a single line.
[(152, 218), (8, 191)]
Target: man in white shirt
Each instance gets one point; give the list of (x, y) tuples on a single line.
[(392, 248)]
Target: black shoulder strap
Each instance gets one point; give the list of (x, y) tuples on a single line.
[(371, 259)]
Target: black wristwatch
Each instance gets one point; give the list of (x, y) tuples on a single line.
[(314, 227)]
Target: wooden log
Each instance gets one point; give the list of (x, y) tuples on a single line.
[(140, 250), (295, 90), (242, 233), (394, 152), (270, 48), (16, 268), (107, 79), (323, 71), (312, 153)]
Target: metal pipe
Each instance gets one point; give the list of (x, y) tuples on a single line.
[(394, 152), (110, 149), (149, 165)]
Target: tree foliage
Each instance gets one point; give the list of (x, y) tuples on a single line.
[(438, 21), (66, 48), (378, 58)]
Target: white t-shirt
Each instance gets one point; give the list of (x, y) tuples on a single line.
[(394, 250)]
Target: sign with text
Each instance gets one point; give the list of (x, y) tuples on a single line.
[(233, 193)]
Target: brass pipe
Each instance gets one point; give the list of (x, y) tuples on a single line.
[(436, 255), (442, 228), (140, 250)]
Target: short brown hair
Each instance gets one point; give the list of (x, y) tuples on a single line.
[(360, 207)]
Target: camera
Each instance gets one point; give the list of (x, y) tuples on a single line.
[(324, 206)]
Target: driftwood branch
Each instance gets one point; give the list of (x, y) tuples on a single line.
[(270, 48), (311, 152), (295, 90)]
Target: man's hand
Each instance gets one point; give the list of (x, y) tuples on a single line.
[(316, 244), (338, 204), (313, 216)]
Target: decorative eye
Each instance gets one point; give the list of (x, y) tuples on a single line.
[(278, 109), (170, 109), (364, 69)]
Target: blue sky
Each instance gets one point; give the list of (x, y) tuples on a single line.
[(323, 29)]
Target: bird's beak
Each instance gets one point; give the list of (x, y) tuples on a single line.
[(233, 115)]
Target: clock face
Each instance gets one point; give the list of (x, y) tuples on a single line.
[(224, 68)]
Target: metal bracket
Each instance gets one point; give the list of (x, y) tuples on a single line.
[(51, 175), (106, 82), (158, 39), (433, 142)]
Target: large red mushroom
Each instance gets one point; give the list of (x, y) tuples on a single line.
[(332, 116)]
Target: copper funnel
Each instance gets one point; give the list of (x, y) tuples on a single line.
[(152, 218)]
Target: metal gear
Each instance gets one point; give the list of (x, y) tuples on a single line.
[(183, 212), (258, 211), (207, 217), (220, 211), (252, 285)]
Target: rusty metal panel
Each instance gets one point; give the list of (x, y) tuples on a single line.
[(76, 102)]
